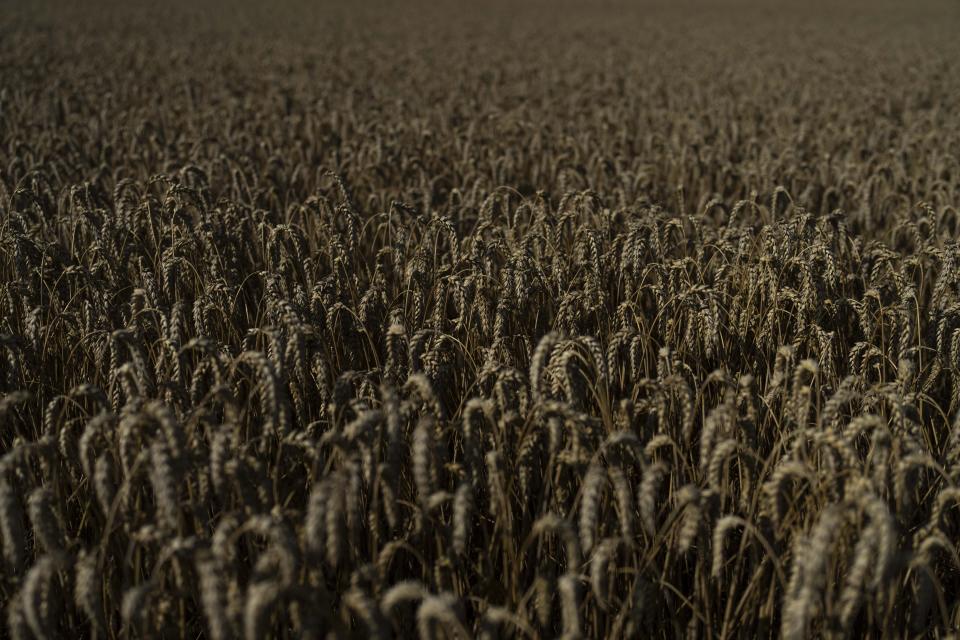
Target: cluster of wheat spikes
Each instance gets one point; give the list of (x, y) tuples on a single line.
[(559, 329)]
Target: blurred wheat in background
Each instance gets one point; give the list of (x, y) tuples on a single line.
[(525, 320)]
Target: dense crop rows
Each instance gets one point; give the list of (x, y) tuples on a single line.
[(561, 321)]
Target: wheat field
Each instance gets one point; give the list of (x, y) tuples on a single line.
[(437, 320)]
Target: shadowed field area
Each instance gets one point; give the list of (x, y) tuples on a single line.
[(500, 320)]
